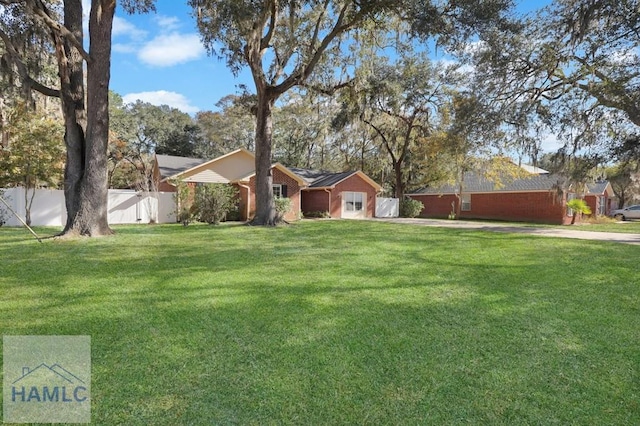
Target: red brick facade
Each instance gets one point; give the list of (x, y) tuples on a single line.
[(330, 199), (316, 200), (540, 207), (595, 204), (292, 192), (325, 199)]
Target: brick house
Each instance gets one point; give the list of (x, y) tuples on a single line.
[(342, 195), (539, 198), (347, 194), (599, 197)]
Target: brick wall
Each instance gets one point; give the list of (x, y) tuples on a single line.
[(541, 207), (293, 193), (593, 201), (353, 183), (166, 187), (315, 201), (436, 206)]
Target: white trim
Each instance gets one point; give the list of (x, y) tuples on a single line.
[(362, 212)]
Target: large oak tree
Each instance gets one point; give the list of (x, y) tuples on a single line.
[(282, 43), (574, 67), (83, 91)]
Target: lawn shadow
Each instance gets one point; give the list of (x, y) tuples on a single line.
[(300, 324)]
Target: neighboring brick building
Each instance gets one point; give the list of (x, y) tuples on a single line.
[(599, 198), (341, 195), (540, 198)]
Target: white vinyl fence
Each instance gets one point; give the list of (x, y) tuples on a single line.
[(387, 207), (125, 206)]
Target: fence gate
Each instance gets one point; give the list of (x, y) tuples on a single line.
[(387, 207)]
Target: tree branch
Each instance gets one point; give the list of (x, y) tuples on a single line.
[(41, 10), (329, 91), (16, 59), (266, 40)]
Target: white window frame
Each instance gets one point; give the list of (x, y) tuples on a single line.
[(602, 205), (465, 202), (351, 201), (277, 190)]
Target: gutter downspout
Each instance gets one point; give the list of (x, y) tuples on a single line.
[(248, 199), (375, 203), (328, 191)]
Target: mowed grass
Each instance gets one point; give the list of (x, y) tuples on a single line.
[(337, 322), (628, 226)]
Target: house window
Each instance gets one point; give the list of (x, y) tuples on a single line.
[(354, 201), (279, 190), (602, 205), (466, 203)]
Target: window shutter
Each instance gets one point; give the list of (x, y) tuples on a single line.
[(284, 191)]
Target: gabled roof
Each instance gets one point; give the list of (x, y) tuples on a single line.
[(192, 165), (534, 170), (195, 168), (317, 179), (599, 188), (474, 182), (170, 165), (287, 171)]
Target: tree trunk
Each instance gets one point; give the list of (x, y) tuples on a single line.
[(70, 64), (27, 205), (397, 167), (265, 207), (86, 190)]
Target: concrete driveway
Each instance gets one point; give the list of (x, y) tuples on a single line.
[(564, 232)]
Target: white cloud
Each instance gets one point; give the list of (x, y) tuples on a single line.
[(167, 23), (124, 48), (171, 49), (122, 27), (162, 97), (86, 8)]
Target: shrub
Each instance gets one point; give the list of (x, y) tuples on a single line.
[(234, 214), (185, 210), (410, 207), (213, 201), (323, 214), (578, 205), (283, 205)]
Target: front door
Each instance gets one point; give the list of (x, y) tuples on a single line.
[(354, 204)]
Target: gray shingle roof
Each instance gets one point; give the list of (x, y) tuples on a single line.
[(597, 188), (170, 165), (320, 179), (473, 182)]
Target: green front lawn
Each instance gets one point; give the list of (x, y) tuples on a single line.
[(628, 226), (337, 322)]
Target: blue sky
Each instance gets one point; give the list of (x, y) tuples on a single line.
[(158, 58)]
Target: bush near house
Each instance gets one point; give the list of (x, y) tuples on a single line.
[(213, 201), (283, 205), (322, 214), (410, 207)]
